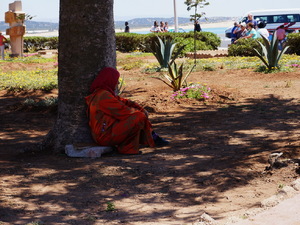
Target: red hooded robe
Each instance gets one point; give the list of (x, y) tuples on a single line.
[(115, 121)]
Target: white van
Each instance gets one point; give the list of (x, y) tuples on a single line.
[(274, 18)]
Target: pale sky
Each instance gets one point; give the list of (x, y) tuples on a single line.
[(48, 10)]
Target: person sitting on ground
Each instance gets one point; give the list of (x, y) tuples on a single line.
[(155, 28), (251, 31), (2, 46), (262, 31), (115, 121), (127, 30), (242, 32)]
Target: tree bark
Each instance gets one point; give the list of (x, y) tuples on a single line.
[(86, 44)]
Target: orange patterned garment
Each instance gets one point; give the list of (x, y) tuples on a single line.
[(115, 121)]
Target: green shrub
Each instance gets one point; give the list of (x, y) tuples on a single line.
[(129, 42), (293, 41), (144, 42), (270, 55), (45, 103), (52, 43), (244, 47), (164, 51), (196, 91), (132, 65), (176, 78), (210, 39), (33, 44), (189, 45)]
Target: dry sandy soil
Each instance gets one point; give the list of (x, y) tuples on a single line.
[(216, 163)]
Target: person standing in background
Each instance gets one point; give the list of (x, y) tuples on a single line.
[(197, 26), (251, 20), (280, 32), (2, 46), (127, 30)]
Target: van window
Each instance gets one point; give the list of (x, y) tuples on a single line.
[(279, 18)]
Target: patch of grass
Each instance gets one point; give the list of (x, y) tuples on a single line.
[(31, 59), (242, 62), (133, 65), (110, 206), (90, 218), (288, 84), (208, 67), (152, 68), (29, 80), (45, 103), (264, 69), (36, 223), (138, 54)]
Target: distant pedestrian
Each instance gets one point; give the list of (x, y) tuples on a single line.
[(241, 32), (166, 27), (262, 31), (155, 28), (251, 20), (2, 46), (233, 34), (197, 26), (162, 26), (251, 31), (127, 30), (281, 36)]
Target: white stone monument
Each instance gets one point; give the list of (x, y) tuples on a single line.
[(15, 17)]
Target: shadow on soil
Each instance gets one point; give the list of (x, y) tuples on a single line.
[(212, 150)]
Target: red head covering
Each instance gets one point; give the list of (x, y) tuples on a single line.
[(107, 79)]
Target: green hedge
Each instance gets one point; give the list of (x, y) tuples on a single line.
[(293, 40), (130, 42), (244, 47), (33, 44)]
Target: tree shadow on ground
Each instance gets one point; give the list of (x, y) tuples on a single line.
[(212, 150)]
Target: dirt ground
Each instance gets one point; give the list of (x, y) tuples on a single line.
[(217, 161)]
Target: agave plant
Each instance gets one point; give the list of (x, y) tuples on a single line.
[(175, 76), (163, 51), (270, 55)]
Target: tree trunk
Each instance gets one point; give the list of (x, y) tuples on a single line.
[(86, 44)]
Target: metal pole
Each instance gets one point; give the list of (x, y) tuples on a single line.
[(175, 17)]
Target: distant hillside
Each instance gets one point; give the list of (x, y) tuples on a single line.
[(32, 25), (134, 23)]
